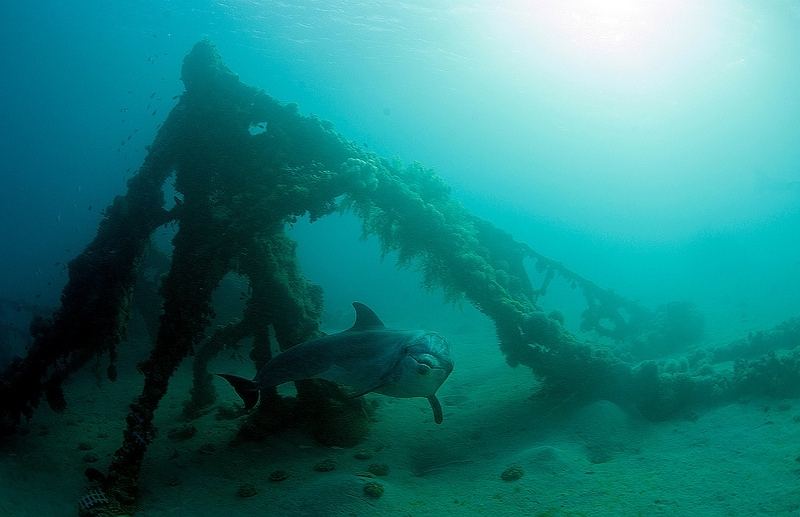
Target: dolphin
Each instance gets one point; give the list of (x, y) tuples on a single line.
[(367, 357)]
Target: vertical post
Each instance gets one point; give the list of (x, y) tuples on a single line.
[(197, 268)]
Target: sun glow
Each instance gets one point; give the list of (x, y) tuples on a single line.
[(627, 36), (603, 24)]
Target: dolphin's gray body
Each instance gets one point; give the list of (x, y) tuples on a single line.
[(367, 357)]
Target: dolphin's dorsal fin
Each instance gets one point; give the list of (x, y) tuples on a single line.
[(365, 318)]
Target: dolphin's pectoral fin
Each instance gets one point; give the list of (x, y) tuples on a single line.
[(245, 388), (438, 417), (381, 382), (360, 393)]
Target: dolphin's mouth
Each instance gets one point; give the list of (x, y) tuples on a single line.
[(429, 362)]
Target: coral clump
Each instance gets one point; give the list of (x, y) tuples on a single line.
[(336, 418), (512, 473), (378, 469), (279, 475), (247, 490), (373, 490), (362, 454), (325, 465)]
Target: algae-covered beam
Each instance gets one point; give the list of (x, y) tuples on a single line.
[(410, 210), (195, 273), (238, 190), (94, 303)]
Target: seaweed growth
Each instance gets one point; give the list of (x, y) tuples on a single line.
[(238, 190)]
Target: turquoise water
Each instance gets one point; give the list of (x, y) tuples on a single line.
[(650, 146)]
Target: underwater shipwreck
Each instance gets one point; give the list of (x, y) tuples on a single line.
[(238, 191)]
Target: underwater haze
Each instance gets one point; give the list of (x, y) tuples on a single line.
[(651, 146)]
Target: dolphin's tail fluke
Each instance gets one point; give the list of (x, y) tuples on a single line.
[(245, 388)]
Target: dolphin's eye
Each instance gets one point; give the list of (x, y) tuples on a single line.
[(423, 369)]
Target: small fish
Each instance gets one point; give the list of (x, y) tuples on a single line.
[(90, 208), (154, 113), (177, 96), (152, 95)]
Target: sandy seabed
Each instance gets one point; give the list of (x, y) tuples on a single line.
[(593, 460)]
